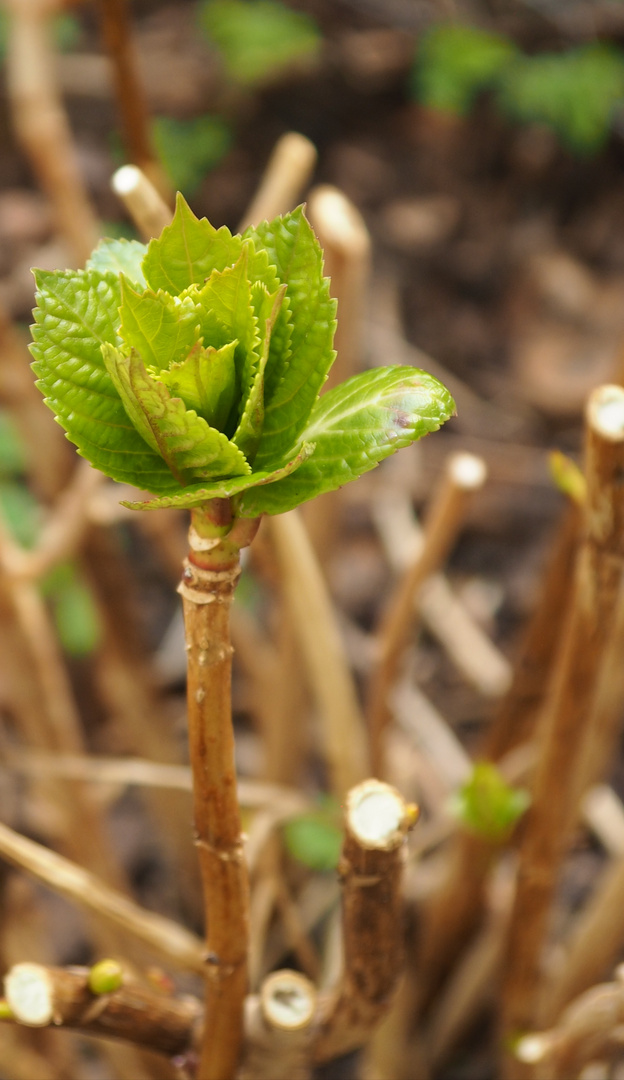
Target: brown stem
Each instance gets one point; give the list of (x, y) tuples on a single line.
[(118, 40), (207, 588), (563, 730), (377, 820), (41, 123), (39, 995), (515, 717)]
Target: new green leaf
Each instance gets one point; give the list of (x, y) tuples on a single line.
[(192, 369), (355, 426)]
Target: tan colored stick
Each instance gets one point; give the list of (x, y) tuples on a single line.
[(287, 172), (330, 678), (562, 737), (445, 616), (376, 822), (279, 1029), (465, 474), (469, 989), (39, 996), (146, 206), (63, 532), (164, 936), (589, 1030), (41, 123), (254, 794), (347, 251), (120, 46)]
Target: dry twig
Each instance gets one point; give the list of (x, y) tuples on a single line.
[(167, 938), (286, 173), (38, 996), (465, 474), (376, 822), (41, 123), (563, 730)]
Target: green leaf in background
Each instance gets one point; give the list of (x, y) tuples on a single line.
[(121, 256), (189, 149), (66, 31), (12, 453), (455, 63), (73, 608), (21, 512), (259, 39), (487, 805), (353, 427), (315, 839), (576, 93)]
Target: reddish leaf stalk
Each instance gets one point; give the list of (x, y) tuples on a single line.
[(210, 575)]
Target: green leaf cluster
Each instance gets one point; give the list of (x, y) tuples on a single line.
[(191, 368), (487, 805), (189, 149), (258, 39), (576, 93)]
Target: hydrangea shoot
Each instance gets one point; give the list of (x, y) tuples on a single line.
[(191, 368)]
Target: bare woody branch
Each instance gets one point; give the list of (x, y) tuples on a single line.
[(207, 588), (41, 123), (563, 729), (38, 996), (119, 42), (314, 623), (377, 820), (589, 1030), (279, 1029)]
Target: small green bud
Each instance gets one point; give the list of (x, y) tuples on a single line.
[(5, 1010), (105, 976), (487, 805), (568, 477)]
